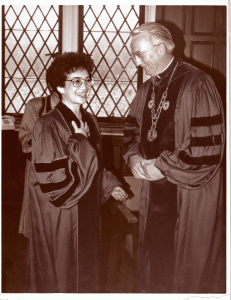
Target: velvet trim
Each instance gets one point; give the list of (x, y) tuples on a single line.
[(206, 140), (203, 160), (206, 121), (51, 167), (60, 200), (54, 186)]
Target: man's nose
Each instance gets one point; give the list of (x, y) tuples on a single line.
[(138, 61)]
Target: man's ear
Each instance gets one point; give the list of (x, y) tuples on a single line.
[(60, 89), (162, 49)]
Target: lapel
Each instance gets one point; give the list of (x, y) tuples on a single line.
[(69, 116)]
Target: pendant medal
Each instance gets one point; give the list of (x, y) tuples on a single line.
[(152, 134), (150, 104), (166, 105)]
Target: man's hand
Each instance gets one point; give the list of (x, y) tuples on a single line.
[(136, 163), (119, 194), (152, 172)]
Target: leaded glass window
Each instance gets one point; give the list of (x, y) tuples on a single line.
[(106, 37), (30, 39)]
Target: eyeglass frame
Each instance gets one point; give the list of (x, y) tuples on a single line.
[(140, 55), (84, 80)]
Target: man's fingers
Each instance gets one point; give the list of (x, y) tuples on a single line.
[(138, 174)]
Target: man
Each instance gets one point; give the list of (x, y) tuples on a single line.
[(174, 141)]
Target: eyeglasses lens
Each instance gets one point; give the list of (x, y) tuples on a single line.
[(77, 82)]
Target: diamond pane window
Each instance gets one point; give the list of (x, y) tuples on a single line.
[(30, 39), (106, 30)]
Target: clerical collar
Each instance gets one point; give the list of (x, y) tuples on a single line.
[(169, 67)]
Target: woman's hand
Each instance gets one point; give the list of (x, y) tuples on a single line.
[(84, 129), (119, 194)]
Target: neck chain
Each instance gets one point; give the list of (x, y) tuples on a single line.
[(152, 133)]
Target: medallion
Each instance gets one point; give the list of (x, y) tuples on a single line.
[(165, 105), (152, 134), (150, 104)]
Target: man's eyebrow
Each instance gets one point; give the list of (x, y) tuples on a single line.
[(137, 52)]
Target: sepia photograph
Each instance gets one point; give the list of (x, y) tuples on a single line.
[(115, 150)]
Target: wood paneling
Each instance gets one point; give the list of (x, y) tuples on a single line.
[(199, 33), (203, 20), (170, 13), (13, 167), (203, 52)]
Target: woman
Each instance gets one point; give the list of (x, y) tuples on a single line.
[(34, 109), (67, 185)]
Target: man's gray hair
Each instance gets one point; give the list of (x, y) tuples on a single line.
[(158, 33)]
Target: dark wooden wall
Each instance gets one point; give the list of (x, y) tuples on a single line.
[(199, 33), (13, 167)]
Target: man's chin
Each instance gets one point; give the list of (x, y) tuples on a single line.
[(148, 73)]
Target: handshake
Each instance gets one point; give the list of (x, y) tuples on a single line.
[(144, 169)]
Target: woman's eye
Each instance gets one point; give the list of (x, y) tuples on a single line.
[(77, 81)]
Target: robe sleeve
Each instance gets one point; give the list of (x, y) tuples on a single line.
[(64, 172), (200, 125), (109, 183), (26, 128)]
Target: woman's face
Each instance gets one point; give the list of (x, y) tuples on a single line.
[(72, 94)]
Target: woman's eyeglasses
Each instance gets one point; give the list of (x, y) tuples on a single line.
[(78, 81)]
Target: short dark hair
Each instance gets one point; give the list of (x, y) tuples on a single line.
[(64, 64)]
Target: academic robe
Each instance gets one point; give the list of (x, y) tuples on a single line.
[(189, 151), (67, 186)]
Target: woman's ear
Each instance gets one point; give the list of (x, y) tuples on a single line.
[(60, 89)]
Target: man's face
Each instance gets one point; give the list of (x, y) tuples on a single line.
[(146, 54)]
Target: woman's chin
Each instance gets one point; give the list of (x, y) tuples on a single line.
[(82, 98)]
